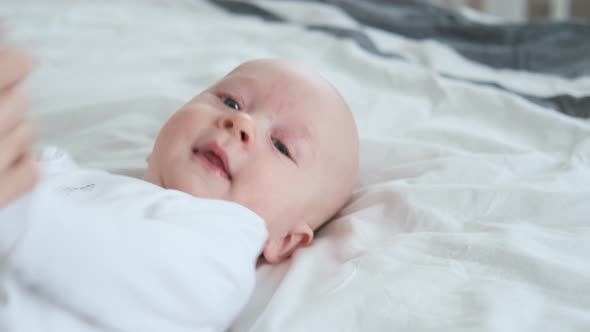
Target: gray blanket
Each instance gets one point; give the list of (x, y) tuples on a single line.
[(559, 48), (555, 48)]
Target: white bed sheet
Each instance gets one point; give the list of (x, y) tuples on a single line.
[(472, 211)]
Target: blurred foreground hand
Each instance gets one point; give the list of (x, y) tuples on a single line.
[(18, 169)]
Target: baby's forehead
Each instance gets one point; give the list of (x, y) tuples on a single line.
[(280, 72), (296, 93), (266, 65)]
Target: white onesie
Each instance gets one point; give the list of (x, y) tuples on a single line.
[(93, 251)]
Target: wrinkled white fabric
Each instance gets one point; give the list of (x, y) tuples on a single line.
[(472, 209), (97, 251)]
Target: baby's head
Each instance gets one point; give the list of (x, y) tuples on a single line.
[(270, 136)]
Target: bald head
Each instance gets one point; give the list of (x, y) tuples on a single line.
[(335, 136)]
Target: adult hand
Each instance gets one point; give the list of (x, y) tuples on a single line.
[(18, 170)]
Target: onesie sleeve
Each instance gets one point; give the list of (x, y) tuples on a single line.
[(13, 224), (14, 216)]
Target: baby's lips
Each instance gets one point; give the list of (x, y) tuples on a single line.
[(213, 156)]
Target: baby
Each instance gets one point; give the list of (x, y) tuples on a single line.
[(270, 136), (266, 155)]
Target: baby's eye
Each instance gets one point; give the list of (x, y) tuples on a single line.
[(281, 147), (229, 102)]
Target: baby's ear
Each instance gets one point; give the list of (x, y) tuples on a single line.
[(278, 249)]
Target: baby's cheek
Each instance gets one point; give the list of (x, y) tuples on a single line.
[(250, 196), (189, 117), (263, 189)]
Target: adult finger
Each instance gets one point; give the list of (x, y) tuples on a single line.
[(18, 180), (13, 106), (14, 67), (15, 143)]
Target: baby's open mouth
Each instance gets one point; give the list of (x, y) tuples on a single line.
[(214, 159)]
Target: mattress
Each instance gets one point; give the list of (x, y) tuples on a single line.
[(472, 210)]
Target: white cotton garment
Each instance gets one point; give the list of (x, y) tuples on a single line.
[(93, 251)]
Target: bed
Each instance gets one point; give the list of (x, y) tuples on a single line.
[(472, 210)]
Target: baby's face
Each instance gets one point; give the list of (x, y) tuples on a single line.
[(269, 136)]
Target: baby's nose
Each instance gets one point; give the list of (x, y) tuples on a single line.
[(241, 127)]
